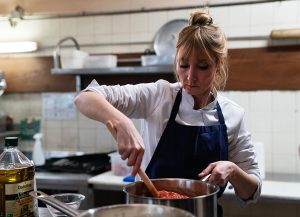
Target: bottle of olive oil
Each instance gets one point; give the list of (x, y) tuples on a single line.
[(16, 181)]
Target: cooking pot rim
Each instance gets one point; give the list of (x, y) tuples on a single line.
[(116, 206), (215, 187)]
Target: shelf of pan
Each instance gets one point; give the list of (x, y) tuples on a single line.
[(158, 69)]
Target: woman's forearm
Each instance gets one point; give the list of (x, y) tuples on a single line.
[(245, 185), (96, 107), (130, 143)]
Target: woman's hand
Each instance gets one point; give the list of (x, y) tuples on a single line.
[(130, 143), (220, 171), (245, 185)]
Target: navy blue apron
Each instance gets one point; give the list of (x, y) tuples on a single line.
[(184, 151)]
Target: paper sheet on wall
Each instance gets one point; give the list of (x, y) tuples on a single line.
[(59, 106)]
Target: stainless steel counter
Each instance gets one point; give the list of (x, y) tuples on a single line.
[(102, 189), (72, 180), (289, 182), (66, 182)]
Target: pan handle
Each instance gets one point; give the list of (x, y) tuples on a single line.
[(64, 208)]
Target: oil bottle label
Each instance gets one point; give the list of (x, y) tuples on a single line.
[(18, 202)]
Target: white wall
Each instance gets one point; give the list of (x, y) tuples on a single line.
[(272, 116), (106, 30)]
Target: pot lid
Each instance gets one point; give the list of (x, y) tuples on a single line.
[(166, 38)]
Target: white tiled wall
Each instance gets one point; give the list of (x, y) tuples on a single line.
[(103, 34), (272, 116)]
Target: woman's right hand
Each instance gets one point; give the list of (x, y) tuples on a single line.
[(130, 143)]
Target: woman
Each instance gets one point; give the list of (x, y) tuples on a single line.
[(189, 130)]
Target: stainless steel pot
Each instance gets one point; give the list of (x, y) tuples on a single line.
[(202, 201), (120, 210)]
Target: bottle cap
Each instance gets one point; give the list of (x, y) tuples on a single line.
[(11, 141)]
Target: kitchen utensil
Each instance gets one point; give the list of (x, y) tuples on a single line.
[(202, 200), (119, 166), (166, 38), (71, 199), (56, 52), (124, 210), (154, 60), (73, 59), (142, 173), (285, 34), (100, 61)]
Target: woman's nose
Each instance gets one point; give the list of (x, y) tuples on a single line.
[(191, 75)]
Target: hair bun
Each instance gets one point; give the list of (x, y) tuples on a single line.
[(200, 19)]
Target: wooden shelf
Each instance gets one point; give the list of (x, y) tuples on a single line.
[(267, 68), (160, 69)]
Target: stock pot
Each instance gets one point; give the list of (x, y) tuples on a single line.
[(202, 201), (119, 210)]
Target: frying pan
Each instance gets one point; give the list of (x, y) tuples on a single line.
[(124, 210)]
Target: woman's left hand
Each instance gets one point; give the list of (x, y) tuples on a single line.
[(220, 171)]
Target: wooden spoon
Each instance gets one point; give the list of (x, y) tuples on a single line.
[(141, 172)]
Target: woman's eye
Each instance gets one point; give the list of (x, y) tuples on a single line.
[(203, 67), (183, 66)]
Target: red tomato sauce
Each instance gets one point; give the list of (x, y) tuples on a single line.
[(171, 195)]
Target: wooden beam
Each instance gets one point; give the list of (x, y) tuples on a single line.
[(270, 68), (32, 74), (43, 7)]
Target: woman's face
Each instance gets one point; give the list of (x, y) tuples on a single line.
[(196, 72)]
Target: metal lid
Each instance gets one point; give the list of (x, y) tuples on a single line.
[(166, 38), (11, 141)]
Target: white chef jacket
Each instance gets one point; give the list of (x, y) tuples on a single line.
[(153, 102)]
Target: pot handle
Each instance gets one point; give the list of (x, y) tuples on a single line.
[(47, 199), (205, 178)]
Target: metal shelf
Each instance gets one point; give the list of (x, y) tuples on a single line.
[(159, 69)]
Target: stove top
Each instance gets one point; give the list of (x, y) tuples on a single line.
[(87, 163)]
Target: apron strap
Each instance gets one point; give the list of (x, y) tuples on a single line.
[(220, 115), (176, 105)]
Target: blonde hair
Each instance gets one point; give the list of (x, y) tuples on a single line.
[(201, 34)]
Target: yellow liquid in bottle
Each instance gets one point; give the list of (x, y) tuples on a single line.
[(15, 184)]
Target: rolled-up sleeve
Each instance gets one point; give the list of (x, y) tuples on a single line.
[(135, 101), (242, 153)]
